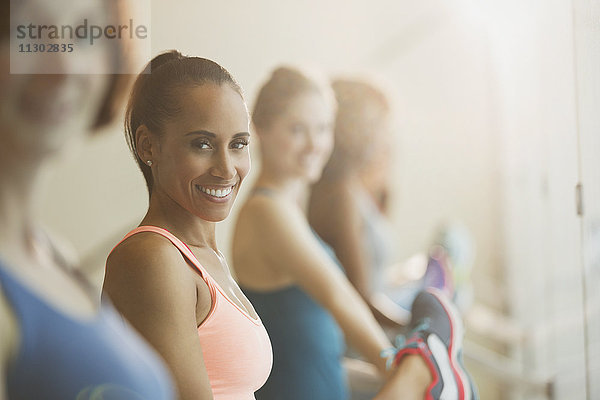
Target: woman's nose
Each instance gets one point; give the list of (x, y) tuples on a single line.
[(223, 166), (311, 141)]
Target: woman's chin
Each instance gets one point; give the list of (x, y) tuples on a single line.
[(213, 217), (313, 176)]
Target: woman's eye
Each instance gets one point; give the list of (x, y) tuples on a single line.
[(297, 129), (323, 129), (201, 145), (239, 145)]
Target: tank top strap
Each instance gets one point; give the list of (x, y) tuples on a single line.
[(181, 246)]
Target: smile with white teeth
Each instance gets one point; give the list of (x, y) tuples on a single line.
[(216, 192)]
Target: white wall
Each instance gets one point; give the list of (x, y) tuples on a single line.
[(546, 57), (587, 61)]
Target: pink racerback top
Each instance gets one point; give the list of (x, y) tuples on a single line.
[(236, 348)]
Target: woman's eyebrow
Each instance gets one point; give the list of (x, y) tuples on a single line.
[(213, 135), (202, 133)]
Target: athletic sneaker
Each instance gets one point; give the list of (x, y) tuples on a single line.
[(437, 334), (438, 273)]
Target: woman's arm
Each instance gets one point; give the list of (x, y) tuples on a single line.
[(150, 284), (338, 222), (290, 244)]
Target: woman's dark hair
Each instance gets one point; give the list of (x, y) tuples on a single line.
[(117, 86), (156, 95), (116, 90)]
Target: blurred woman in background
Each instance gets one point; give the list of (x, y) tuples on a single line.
[(293, 280), (348, 204), (56, 341), (188, 128), (348, 208)]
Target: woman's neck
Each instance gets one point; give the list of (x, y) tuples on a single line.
[(295, 190), (338, 170), (166, 213), (21, 185)]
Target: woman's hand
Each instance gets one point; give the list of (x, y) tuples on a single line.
[(407, 381)]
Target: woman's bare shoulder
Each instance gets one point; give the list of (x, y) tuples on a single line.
[(146, 254), (143, 246), (146, 271)]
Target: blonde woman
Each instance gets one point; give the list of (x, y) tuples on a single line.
[(306, 302)]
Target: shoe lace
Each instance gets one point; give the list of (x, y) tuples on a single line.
[(401, 342)]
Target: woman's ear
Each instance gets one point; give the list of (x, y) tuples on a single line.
[(143, 143)]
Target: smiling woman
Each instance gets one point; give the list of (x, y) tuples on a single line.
[(188, 127), (201, 152)]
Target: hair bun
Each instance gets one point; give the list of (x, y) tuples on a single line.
[(163, 59)]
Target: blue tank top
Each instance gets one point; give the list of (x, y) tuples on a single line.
[(307, 345), (63, 358)]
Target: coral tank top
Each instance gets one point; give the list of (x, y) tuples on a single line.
[(236, 348)]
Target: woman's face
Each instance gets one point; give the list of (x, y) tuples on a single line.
[(298, 142), (202, 157), (47, 99), (362, 134)]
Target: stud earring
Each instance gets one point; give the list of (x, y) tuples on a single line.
[(149, 162)]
